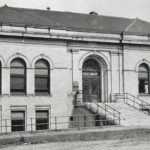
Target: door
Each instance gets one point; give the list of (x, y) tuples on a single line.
[(91, 81), (91, 89)]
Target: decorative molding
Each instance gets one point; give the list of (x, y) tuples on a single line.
[(42, 56), (140, 62), (59, 34), (3, 63), (18, 55), (127, 70), (18, 107), (41, 107), (61, 68), (34, 42), (94, 54)]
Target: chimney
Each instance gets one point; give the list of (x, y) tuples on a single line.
[(93, 13), (48, 8)]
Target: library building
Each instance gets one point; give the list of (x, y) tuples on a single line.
[(61, 70)]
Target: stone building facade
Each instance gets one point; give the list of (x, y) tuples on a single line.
[(98, 55)]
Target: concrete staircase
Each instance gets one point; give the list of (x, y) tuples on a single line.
[(126, 110), (131, 116), (104, 110)]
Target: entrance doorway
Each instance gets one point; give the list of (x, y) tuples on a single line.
[(91, 81)]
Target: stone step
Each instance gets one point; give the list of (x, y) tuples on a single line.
[(129, 115)]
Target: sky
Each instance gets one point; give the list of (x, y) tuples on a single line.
[(119, 8)]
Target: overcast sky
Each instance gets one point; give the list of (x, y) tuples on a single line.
[(123, 8)]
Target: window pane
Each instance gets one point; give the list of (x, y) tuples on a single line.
[(41, 64), (42, 114), (17, 63), (17, 83), (91, 64), (41, 72), (17, 71), (143, 68), (41, 83), (143, 75), (17, 114)]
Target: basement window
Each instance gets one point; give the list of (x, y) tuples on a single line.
[(42, 119), (17, 121)]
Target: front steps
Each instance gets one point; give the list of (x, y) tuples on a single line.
[(104, 110), (128, 108), (130, 116), (87, 117)]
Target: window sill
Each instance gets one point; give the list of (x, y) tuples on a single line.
[(144, 94), (43, 95), (26, 95)]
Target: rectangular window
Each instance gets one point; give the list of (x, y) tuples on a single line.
[(42, 119), (17, 121)]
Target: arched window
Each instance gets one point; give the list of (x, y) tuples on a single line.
[(18, 76), (91, 67), (144, 79), (42, 77)]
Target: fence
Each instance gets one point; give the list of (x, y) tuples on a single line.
[(55, 123)]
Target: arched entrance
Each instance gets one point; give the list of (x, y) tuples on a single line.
[(91, 80)]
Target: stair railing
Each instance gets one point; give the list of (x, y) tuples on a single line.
[(133, 101), (106, 110)]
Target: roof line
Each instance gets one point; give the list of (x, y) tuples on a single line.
[(33, 15), (129, 26), (68, 12)]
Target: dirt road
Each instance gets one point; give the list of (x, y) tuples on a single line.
[(130, 144)]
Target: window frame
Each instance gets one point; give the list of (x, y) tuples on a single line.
[(47, 124), (18, 76), (13, 127), (146, 79), (42, 76)]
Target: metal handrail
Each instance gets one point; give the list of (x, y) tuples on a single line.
[(107, 111), (113, 109), (138, 99), (135, 100)]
